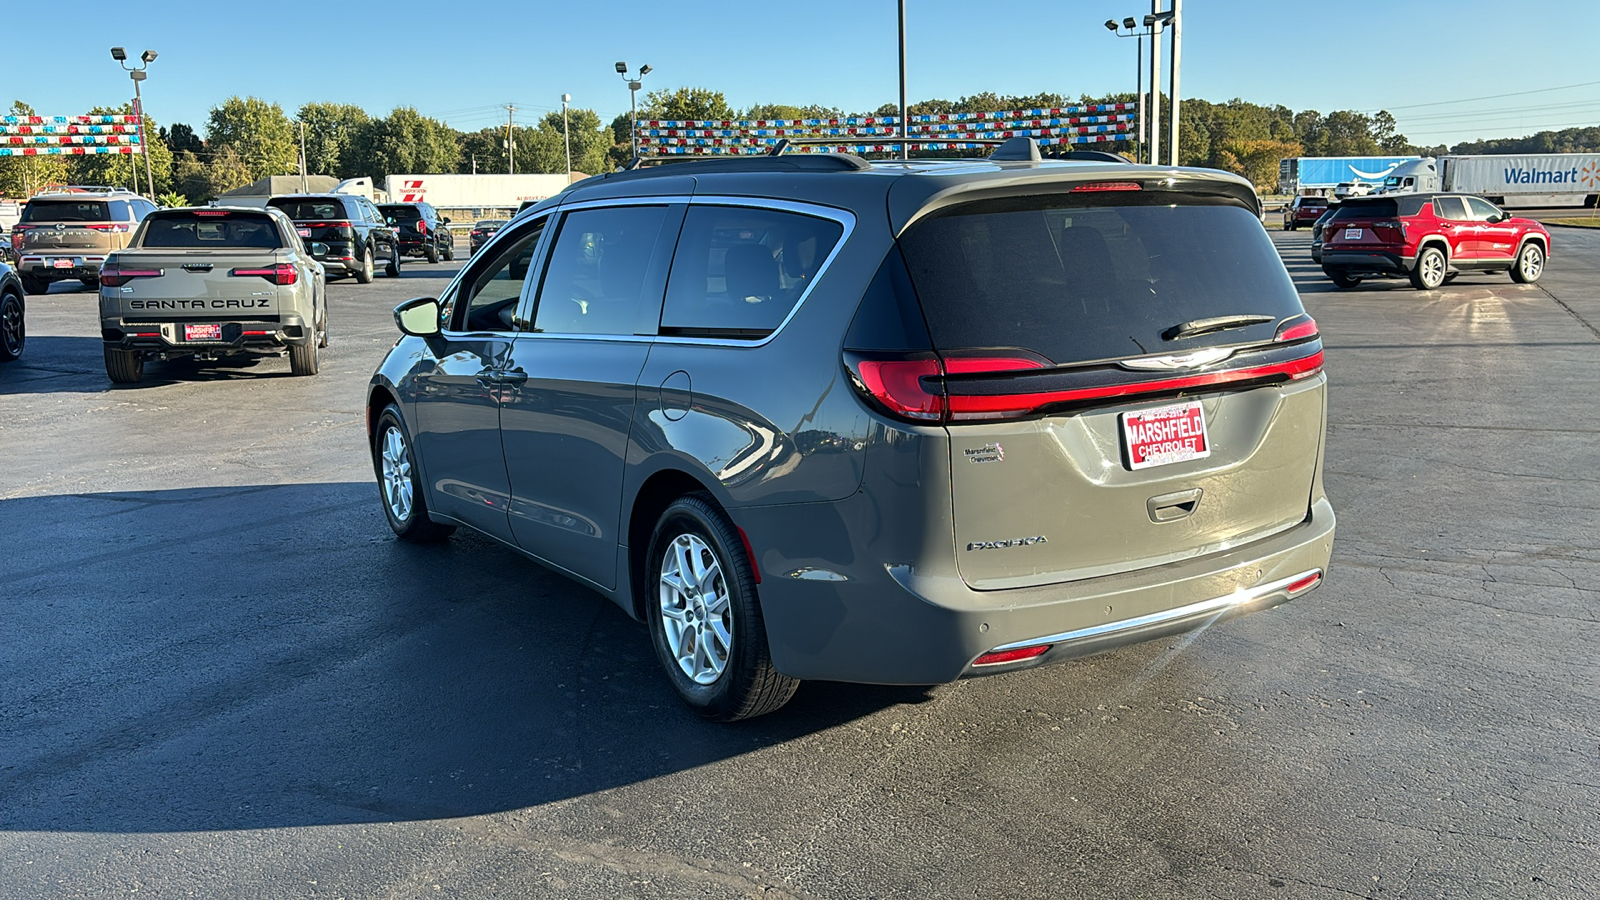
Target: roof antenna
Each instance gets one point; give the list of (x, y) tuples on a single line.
[(777, 149), (1017, 149)]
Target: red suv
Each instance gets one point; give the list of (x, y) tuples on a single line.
[(1430, 238), (1303, 211)]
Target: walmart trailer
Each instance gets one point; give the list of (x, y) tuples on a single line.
[(1512, 180)]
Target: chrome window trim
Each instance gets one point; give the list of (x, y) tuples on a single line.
[(844, 218)]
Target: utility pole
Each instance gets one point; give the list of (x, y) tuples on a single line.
[(303, 188), (511, 141), (1177, 58), (566, 133)]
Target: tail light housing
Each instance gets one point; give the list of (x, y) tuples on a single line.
[(1390, 230), (115, 228), (282, 273), (325, 224), (422, 227), (1296, 329), (113, 275)]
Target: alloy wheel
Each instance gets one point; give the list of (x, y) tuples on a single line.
[(397, 485), (696, 615)]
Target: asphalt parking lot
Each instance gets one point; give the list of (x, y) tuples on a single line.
[(221, 676)]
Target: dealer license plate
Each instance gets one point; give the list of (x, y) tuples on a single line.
[(1167, 434), (61, 263), (304, 232), (1352, 234), (202, 332)]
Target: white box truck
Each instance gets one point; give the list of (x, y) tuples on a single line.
[(1512, 180)]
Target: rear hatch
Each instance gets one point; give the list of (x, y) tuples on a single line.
[(73, 224), (320, 219), (1127, 378), (408, 223), (200, 264), (1366, 223)]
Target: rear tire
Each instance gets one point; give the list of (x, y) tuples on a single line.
[(364, 274), (1430, 269), (1530, 264), (1340, 277), (450, 251), (398, 489), (303, 358), (431, 253), (13, 327), (124, 366), (32, 285), (391, 269), (705, 618)]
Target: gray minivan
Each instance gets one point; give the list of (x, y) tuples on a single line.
[(813, 417)]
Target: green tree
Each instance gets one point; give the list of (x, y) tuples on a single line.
[(1256, 160), (590, 141), (182, 137), (405, 141), (482, 151), (257, 132), (686, 103), (331, 132)]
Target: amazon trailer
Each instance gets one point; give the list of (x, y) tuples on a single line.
[(1321, 174), (1512, 180)]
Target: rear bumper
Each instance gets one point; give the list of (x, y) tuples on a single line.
[(242, 335), (864, 620), (42, 265), (1359, 261)]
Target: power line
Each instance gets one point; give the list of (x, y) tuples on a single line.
[(1489, 97)]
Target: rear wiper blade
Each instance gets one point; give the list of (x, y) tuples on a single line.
[(1206, 326)]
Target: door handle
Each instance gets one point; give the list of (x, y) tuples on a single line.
[(513, 377), (1174, 506)]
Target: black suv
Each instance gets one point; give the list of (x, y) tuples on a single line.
[(895, 423), (420, 230), (355, 232)]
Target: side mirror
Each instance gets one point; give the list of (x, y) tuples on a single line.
[(388, 220), (419, 317), (447, 220), (317, 248)]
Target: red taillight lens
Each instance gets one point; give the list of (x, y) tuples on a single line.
[(117, 228), (326, 224), (422, 227), (116, 276), (282, 273), (1303, 583), (897, 384), (1390, 229), (1295, 329), (1006, 656)]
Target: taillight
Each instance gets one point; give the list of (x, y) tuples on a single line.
[(326, 224), (117, 228), (422, 227), (282, 273), (116, 276), (1296, 329), (898, 385), (1393, 226)]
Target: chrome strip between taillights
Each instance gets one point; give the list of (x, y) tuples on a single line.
[(1215, 604)]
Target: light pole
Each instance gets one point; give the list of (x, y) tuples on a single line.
[(634, 84), (137, 74), (1138, 70), (905, 147), (1177, 63), (1154, 21), (566, 132)]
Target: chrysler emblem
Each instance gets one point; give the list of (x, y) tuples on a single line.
[(1178, 360)]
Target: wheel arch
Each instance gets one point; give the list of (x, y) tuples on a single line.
[(657, 492), (1434, 240)]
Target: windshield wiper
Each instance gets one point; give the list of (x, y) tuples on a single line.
[(1206, 326)]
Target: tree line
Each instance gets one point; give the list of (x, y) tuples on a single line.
[(246, 138)]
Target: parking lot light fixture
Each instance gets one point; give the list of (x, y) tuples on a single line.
[(1132, 27), (566, 133), (137, 73), (634, 84)]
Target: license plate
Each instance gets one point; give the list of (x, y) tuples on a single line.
[(202, 332), (1167, 434), (61, 263), (304, 232), (1352, 234)]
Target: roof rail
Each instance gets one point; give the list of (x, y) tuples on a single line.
[(645, 167), (1089, 156)]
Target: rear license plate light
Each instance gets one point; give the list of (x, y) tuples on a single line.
[(1165, 435)]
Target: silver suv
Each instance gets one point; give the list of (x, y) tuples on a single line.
[(68, 235), (812, 417)]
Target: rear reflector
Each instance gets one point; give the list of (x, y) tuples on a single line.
[(1303, 583), (1007, 656), (115, 276), (282, 273)]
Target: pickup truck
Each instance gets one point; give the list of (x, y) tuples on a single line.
[(210, 283)]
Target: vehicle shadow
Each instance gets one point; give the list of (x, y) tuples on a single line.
[(51, 364), (269, 656)]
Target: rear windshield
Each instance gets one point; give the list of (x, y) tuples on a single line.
[(1314, 201), (1094, 282), (70, 211), (207, 229), (1367, 209), (490, 223), (401, 213), (306, 210)]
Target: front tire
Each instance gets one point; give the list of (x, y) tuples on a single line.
[(124, 366), (1340, 277), (364, 274), (705, 618), (1530, 264), (13, 327), (396, 467), (1430, 270)]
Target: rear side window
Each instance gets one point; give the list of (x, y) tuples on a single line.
[(597, 277), (738, 272), (1450, 208), (68, 211), (1094, 282), (205, 229), (303, 210)]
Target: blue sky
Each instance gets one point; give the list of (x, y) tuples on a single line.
[(1417, 59)]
